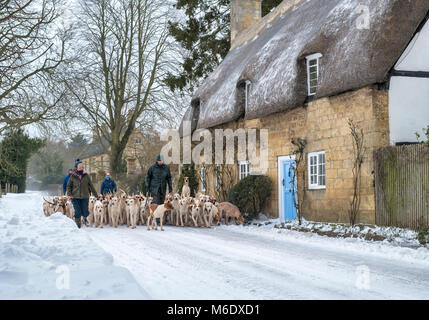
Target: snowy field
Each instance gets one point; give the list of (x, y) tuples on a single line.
[(232, 262)]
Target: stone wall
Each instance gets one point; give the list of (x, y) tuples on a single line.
[(244, 13), (324, 124)]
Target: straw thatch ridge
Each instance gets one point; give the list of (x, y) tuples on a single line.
[(274, 61)]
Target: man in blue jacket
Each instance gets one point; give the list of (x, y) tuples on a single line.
[(108, 185), (66, 180)]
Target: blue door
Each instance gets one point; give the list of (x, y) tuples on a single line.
[(288, 202)]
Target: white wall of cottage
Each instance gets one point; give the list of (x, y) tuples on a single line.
[(409, 96)]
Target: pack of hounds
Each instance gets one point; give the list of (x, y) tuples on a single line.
[(131, 210)]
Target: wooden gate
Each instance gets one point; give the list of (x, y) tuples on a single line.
[(402, 186)]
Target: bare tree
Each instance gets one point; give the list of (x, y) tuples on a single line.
[(31, 49), (117, 80), (359, 152)]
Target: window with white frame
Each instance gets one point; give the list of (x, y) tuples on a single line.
[(313, 63), (243, 169), (316, 170), (138, 141), (203, 179)]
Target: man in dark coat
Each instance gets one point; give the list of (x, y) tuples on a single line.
[(66, 180), (79, 188), (157, 178), (108, 185)]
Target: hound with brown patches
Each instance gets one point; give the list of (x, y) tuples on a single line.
[(159, 214), (48, 207), (208, 213), (186, 191), (115, 208), (98, 212), (228, 210), (196, 212), (91, 205), (133, 212), (150, 212)]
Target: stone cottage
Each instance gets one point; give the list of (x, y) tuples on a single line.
[(303, 71)]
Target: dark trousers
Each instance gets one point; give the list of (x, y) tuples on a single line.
[(159, 198), (80, 208)]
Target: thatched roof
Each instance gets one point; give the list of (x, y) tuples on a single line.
[(274, 61)]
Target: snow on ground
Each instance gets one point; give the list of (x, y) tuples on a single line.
[(38, 255), (389, 235), (236, 262), (226, 262)]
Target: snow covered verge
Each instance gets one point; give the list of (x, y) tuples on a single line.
[(50, 258), (387, 235)]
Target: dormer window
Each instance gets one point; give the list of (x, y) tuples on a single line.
[(313, 63), (196, 106), (243, 97)]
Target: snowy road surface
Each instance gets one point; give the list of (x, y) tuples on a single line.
[(232, 262), (238, 262)]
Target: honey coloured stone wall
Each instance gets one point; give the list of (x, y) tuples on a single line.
[(324, 124)]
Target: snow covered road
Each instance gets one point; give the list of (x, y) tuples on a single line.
[(231, 262), (238, 262)]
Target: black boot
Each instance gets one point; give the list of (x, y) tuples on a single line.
[(77, 220), (85, 221)]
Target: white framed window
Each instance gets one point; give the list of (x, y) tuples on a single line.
[(138, 141), (203, 179), (313, 63), (316, 170), (243, 169), (247, 93)]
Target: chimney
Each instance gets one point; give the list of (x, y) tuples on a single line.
[(244, 13)]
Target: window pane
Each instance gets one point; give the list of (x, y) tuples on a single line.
[(313, 62)]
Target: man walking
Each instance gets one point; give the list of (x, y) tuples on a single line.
[(78, 189), (157, 178), (66, 180), (108, 185)]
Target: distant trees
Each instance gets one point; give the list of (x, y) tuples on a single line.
[(31, 49), (15, 151), (205, 37), (48, 164)]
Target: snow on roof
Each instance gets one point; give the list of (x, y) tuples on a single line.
[(274, 61)]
